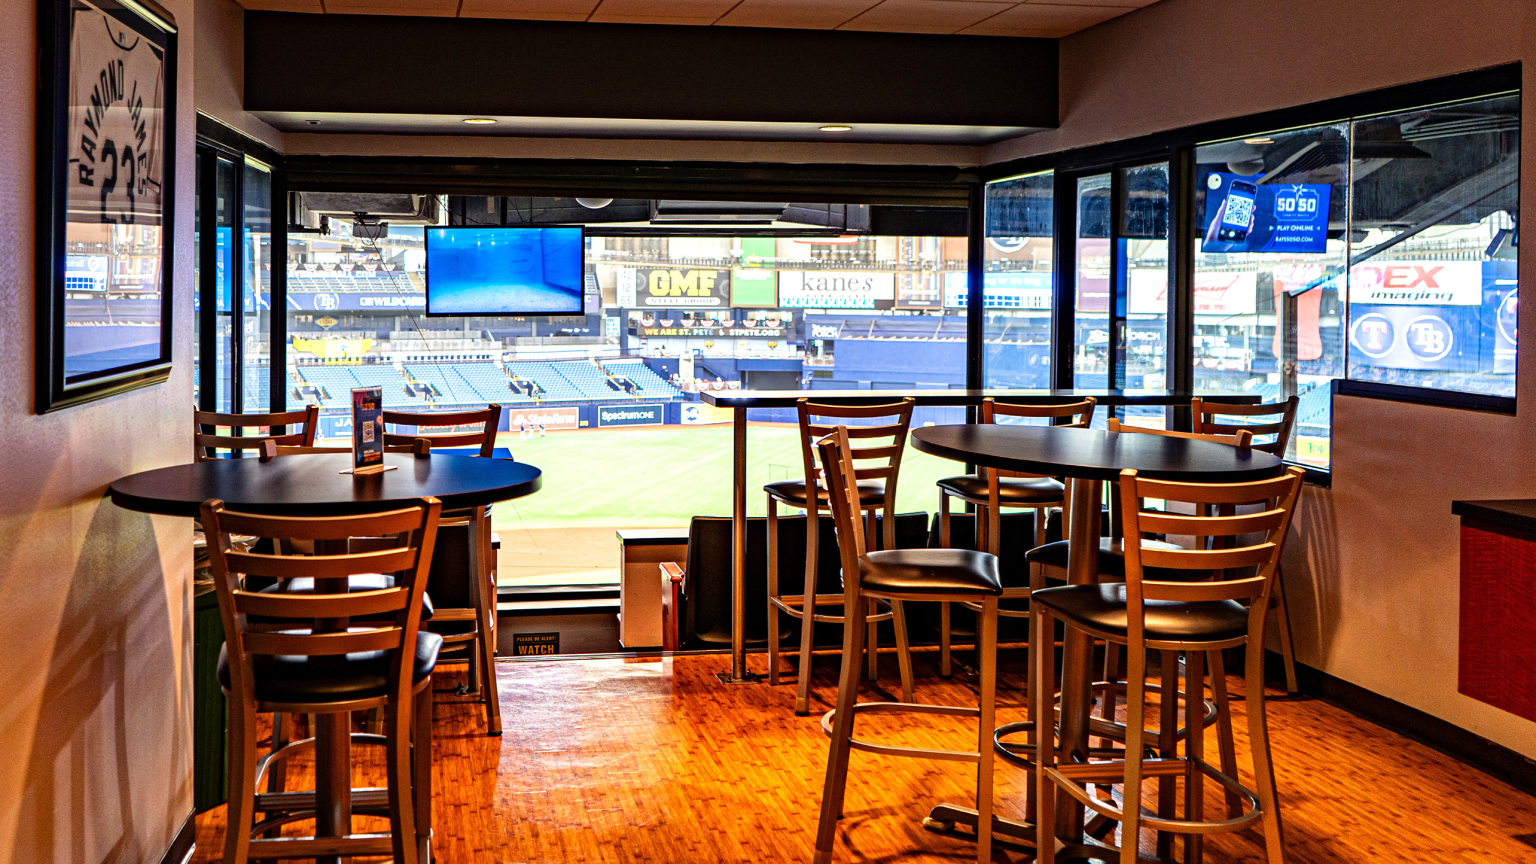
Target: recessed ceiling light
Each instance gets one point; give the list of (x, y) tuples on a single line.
[(479, 121), (837, 128), (1258, 140)]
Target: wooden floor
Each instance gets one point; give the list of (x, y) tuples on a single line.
[(656, 761)]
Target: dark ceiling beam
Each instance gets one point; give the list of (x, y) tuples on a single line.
[(702, 181), (416, 65)]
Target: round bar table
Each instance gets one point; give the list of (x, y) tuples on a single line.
[(313, 485), (1086, 458)]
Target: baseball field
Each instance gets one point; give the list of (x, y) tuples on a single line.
[(661, 476)]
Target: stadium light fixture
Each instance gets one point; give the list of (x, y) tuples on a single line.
[(837, 128)]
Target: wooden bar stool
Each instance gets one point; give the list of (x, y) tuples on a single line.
[(328, 653), (1189, 617), (206, 442), (465, 586), (881, 444), (991, 490), (1206, 420), (945, 575)]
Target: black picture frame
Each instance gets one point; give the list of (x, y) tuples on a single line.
[(124, 22)]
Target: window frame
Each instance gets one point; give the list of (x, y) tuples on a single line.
[(1177, 147)]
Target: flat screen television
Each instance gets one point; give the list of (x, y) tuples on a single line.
[(504, 271)]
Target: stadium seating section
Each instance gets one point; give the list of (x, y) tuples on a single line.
[(651, 385), (465, 384)]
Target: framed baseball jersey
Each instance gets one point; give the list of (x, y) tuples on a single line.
[(106, 135)]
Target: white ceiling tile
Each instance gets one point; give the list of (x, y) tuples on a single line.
[(926, 16), (424, 8), (804, 14), (282, 5), (1048, 20), (539, 10)]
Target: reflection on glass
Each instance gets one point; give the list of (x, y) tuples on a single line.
[(1019, 282), (1432, 281), (224, 190), (1271, 218), (1143, 237), (1091, 351), (256, 248)]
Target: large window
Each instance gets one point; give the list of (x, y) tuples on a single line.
[(1432, 283), (1373, 254), (1380, 250), (1271, 217), (233, 237), (1018, 261), (669, 315)]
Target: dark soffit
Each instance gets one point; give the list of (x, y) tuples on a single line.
[(367, 64)]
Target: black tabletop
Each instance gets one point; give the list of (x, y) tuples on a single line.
[(1094, 455), (312, 485), (788, 398), (1516, 513)]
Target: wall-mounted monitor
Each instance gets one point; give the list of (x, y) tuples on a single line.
[(504, 271)]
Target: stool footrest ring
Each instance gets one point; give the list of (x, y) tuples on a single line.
[(1100, 773), (907, 708)]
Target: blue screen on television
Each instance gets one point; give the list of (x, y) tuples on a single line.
[(504, 271)]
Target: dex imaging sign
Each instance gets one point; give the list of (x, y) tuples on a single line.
[(629, 415)]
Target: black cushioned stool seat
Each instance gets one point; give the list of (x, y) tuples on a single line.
[(1111, 560), (1103, 608), (1011, 491), (930, 571), (330, 679), (366, 582), (792, 492)]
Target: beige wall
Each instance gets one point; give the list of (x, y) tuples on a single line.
[(94, 601), (220, 65), (1372, 565)]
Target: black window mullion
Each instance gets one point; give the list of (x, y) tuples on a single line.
[(277, 298), (975, 312), (1179, 339), (207, 286), (237, 293), (1118, 277), (1064, 261)]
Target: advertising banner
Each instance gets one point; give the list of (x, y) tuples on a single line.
[(1243, 215), (1439, 338), (630, 415), (549, 418), (1216, 293), (675, 288), (1000, 290), (755, 289), (920, 290), (300, 300), (1417, 283), (828, 289), (1092, 275), (700, 414)]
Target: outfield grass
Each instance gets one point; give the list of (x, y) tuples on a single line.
[(662, 476)]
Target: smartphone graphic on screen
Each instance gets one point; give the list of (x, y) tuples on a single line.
[(1237, 219)]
